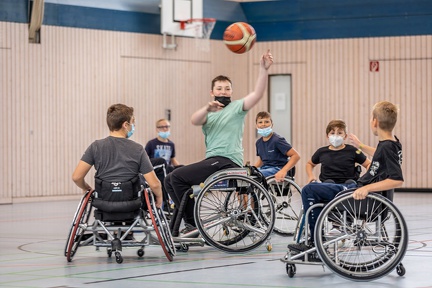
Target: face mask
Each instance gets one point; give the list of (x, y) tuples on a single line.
[(265, 131), (130, 133), (164, 134), (336, 140), (224, 100)]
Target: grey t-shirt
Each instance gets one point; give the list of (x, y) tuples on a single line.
[(117, 159)]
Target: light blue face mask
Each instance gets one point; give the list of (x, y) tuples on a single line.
[(265, 131), (164, 134), (130, 133)]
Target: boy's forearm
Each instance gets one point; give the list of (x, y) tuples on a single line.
[(383, 185)]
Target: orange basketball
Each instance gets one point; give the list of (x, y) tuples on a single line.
[(239, 37)]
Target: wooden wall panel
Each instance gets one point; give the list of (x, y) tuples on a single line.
[(6, 103), (55, 95)]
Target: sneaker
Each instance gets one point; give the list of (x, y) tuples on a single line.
[(188, 228), (299, 247)]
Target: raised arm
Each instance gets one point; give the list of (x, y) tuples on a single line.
[(261, 84), (362, 147)]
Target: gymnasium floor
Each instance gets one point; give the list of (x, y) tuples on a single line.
[(33, 236)]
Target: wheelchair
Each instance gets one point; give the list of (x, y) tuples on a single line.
[(286, 196), (233, 212), (360, 240), (118, 224)]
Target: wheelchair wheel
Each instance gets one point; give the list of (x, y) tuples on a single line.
[(229, 213), (286, 196), (361, 240), (79, 225), (160, 225)]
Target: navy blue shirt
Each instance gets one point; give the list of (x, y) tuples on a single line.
[(273, 151)]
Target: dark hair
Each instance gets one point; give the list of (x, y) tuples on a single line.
[(263, 114), (220, 78), (117, 114), (386, 113), (336, 124)]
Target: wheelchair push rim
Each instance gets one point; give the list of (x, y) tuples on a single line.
[(160, 226), (74, 237)]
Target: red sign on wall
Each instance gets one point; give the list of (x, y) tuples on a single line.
[(374, 66)]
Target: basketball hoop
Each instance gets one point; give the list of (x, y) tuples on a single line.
[(203, 28)]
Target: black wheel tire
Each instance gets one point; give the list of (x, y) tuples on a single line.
[(119, 258), (291, 270), (400, 270)]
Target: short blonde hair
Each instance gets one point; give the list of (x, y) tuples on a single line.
[(386, 114), (161, 120)]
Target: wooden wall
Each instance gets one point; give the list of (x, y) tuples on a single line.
[(55, 95)]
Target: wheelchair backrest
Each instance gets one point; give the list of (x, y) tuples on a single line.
[(115, 191), (117, 201)]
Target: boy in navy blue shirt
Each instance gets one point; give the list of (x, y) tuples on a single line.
[(275, 155)]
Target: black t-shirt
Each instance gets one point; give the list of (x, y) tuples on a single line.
[(338, 165), (386, 163)]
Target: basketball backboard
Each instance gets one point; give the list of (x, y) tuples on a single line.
[(175, 13)]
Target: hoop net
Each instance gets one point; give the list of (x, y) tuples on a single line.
[(203, 28)]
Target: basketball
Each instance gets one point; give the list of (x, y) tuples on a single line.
[(239, 37)]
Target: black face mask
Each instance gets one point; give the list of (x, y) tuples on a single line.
[(223, 100)]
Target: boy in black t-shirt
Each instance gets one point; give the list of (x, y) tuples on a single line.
[(384, 173), (338, 160)]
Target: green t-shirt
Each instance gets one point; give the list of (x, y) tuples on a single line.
[(223, 132)]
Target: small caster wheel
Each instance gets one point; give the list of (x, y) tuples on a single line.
[(269, 247), (400, 270), (119, 258), (109, 253), (140, 252), (291, 270)]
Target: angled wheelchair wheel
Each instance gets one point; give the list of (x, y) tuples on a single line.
[(286, 196), (361, 240), (229, 213), (79, 225), (160, 226)]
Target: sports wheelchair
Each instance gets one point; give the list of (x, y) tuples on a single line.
[(360, 240), (125, 215), (233, 212)]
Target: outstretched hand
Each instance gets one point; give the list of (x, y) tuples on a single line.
[(354, 140), (267, 60), (214, 106)]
